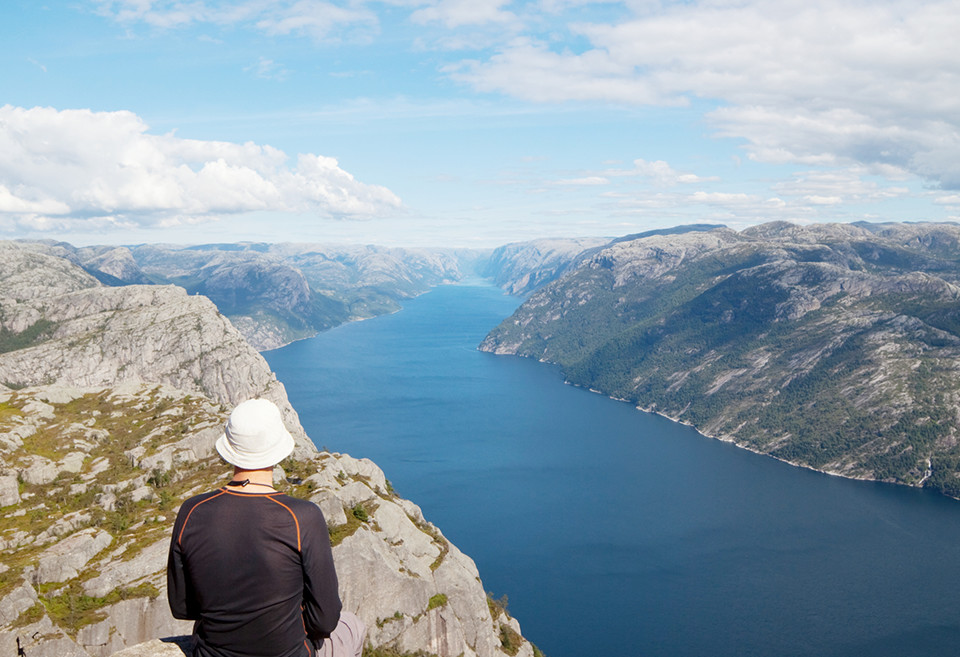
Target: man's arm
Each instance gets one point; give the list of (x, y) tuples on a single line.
[(183, 603), (321, 597)]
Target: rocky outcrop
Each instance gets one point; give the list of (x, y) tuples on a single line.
[(835, 347), (109, 420), (105, 336)]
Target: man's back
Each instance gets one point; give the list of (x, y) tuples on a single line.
[(242, 563)]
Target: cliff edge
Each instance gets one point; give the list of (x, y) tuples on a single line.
[(112, 399)]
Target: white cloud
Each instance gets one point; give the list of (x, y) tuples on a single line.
[(726, 199), (823, 200), (267, 69), (313, 18), (836, 186), (528, 69), (806, 81), (73, 166), (585, 181), (661, 173), (457, 13)]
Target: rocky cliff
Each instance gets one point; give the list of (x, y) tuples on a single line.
[(522, 267), (113, 400), (277, 293), (834, 347)]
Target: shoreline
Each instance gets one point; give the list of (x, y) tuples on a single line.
[(732, 441)]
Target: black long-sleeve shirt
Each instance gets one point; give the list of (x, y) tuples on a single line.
[(255, 571)]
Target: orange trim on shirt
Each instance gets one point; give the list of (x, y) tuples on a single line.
[(187, 519), (297, 522)]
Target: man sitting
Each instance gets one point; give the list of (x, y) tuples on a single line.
[(252, 566)]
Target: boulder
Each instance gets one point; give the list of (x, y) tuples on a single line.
[(64, 560)]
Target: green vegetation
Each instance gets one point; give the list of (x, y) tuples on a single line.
[(397, 616), (360, 513), (8, 411), (340, 532), (497, 606), (386, 651), (510, 641), (29, 617), (34, 334), (437, 600), (71, 609)]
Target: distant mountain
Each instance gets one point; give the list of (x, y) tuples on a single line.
[(277, 293), (835, 347), (522, 267)]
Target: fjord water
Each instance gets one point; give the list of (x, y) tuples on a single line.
[(615, 532)]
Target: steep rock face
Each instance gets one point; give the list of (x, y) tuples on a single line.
[(832, 346), (99, 336)]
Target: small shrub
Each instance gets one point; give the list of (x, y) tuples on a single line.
[(438, 600), (360, 513), (159, 478), (497, 607), (510, 641)]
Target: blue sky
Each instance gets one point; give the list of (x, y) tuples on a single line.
[(470, 123)]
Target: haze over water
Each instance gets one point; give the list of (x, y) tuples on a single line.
[(614, 532)]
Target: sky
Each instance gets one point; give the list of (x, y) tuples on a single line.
[(470, 123)]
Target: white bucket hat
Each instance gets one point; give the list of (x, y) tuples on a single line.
[(254, 436)]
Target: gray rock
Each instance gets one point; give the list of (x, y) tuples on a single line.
[(146, 334), (354, 493), (149, 561), (70, 522), (40, 639), (39, 470), (63, 560), (59, 394), (130, 623), (332, 509), (16, 602), (9, 490), (177, 646), (72, 462)]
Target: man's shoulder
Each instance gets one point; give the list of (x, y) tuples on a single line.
[(296, 503), (197, 499)]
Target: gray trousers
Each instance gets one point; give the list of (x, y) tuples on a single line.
[(346, 640)]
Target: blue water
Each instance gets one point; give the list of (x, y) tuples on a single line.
[(614, 532)]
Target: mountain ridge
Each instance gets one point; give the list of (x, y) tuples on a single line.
[(834, 347), (277, 293)]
